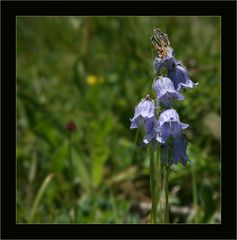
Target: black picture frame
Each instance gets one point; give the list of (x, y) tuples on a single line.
[(9, 228)]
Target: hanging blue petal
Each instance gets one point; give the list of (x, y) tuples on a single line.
[(145, 116), (179, 151), (169, 125), (171, 116), (150, 130), (165, 91), (174, 151), (180, 77), (144, 110)]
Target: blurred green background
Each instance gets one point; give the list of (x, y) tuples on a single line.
[(93, 71)]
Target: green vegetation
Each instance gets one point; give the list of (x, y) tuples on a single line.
[(93, 71)]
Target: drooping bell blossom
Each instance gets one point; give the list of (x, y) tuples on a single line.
[(150, 130), (180, 150), (175, 151), (169, 125), (165, 59), (145, 116), (144, 110), (165, 91), (180, 78)]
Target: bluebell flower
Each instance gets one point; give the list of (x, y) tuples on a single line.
[(169, 125), (144, 110), (180, 78), (175, 151), (165, 59), (145, 116), (165, 91), (180, 150), (150, 130)]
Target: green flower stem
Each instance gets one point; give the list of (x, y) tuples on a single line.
[(71, 175), (154, 183), (161, 202), (194, 187), (166, 188), (158, 174)]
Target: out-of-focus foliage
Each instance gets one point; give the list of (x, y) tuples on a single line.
[(93, 71)]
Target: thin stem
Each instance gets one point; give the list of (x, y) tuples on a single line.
[(158, 174), (166, 188), (158, 178), (162, 186), (194, 187), (70, 156), (152, 185), (155, 190)]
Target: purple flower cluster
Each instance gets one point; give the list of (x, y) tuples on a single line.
[(165, 129)]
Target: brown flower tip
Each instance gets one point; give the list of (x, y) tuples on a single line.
[(71, 126)]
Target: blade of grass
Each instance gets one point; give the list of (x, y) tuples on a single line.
[(39, 195)]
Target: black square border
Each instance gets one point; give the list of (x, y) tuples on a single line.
[(9, 11)]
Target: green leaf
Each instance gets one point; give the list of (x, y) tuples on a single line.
[(99, 156), (59, 157), (81, 169)]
